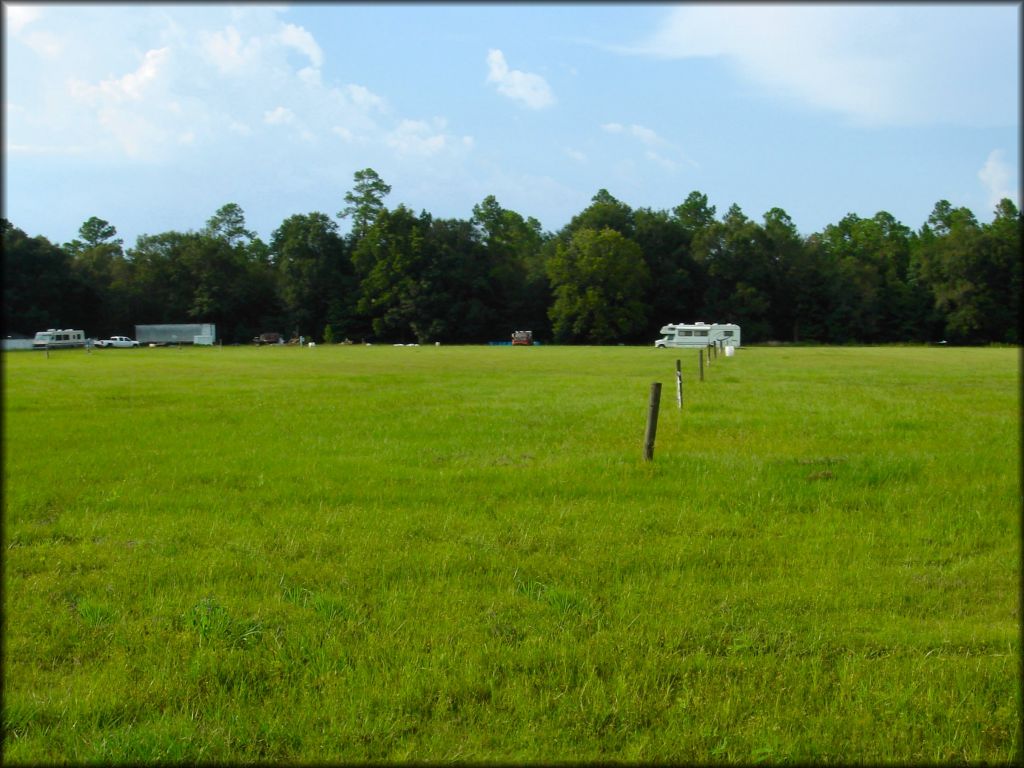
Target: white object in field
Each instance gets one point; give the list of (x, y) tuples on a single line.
[(59, 337), (730, 351), (699, 335), (312, 344), (177, 333)]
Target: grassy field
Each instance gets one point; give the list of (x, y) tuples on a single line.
[(459, 554)]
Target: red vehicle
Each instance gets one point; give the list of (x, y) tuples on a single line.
[(522, 338)]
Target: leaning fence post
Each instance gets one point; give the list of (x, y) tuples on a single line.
[(652, 421), (701, 364), (679, 383)]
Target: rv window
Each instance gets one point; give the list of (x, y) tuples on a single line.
[(686, 333), (727, 333), (701, 333)]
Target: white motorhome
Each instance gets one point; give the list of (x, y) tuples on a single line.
[(54, 338), (699, 335)]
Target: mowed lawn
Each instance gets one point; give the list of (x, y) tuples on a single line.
[(459, 554)]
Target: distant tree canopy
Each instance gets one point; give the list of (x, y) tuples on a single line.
[(613, 274)]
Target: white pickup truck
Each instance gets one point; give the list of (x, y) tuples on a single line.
[(117, 341)]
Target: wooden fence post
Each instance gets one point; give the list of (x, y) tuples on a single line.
[(679, 383), (652, 421), (701, 364)]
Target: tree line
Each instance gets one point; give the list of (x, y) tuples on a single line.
[(613, 274)]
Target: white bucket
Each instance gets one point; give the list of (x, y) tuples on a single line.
[(730, 351)]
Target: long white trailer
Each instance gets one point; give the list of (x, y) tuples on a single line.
[(177, 333), (698, 335)]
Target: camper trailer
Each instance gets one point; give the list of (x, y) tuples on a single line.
[(698, 335), (54, 339)]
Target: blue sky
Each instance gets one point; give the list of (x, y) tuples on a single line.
[(153, 116)]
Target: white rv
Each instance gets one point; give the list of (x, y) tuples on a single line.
[(699, 335), (53, 338)]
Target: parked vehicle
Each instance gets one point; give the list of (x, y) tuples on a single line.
[(117, 342), (699, 335), (522, 338), (201, 334), (55, 339), (268, 338)]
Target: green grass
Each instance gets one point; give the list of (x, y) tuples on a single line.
[(458, 554)]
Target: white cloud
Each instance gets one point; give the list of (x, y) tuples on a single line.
[(363, 98), (877, 64), (575, 154), (131, 86), (17, 17), (301, 40), (643, 134), (646, 135), (650, 139), (227, 51), (530, 89), (996, 176), (310, 76), (135, 132), (417, 137), (42, 149), (664, 162), (278, 116), (44, 44), (132, 109), (205, 77)]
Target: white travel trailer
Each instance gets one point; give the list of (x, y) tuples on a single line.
[(54, 338), (699, 335), (177, 333)]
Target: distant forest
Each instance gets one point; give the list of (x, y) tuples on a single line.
[(613, 274)]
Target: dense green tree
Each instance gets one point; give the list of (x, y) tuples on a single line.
[(973, 272), (228, 224), (613, 274), (1003, 276), (783, 254), (365, 201), (458, 297), (517, 287), (248, 278), (316, 279), (93, 233), (40, 290), (425, 279), (98, 264), (739, 274), (390, 262), (694, 213), (673, 293), (599, 279), (604, 211)]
